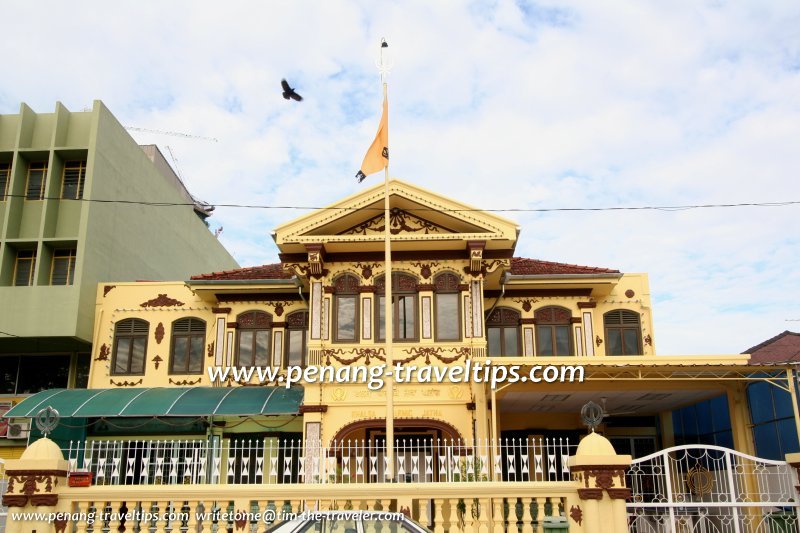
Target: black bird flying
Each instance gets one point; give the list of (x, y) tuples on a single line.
[(288, 92)]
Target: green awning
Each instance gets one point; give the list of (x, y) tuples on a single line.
[(163, 401)]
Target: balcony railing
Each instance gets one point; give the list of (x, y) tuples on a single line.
[(174, 462)]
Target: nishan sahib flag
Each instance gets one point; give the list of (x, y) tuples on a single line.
[(377, 156)]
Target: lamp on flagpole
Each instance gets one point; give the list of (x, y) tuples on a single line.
[(384, 65)]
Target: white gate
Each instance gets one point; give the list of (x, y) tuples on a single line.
[(710, 489)]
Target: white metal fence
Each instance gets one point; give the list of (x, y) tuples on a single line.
[(170, 462), (711, 489)]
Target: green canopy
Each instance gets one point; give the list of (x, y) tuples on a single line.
[(163, 401)]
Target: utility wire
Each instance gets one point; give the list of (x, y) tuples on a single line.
[(428, 209)]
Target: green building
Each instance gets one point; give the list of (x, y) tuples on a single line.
[(58, 242)]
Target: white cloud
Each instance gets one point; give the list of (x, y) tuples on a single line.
[(499, 104)]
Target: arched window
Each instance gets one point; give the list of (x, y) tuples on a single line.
[(130, 346), (448, 315), (623, 332), (404, 307), (296, 327), (553, 331), (254, 338), (346, 308), (502, 332), (188, 339)]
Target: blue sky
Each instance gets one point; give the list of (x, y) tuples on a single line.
[(498, 104)]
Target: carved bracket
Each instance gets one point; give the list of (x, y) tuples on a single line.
[(103, 354), (126, 383), (185, 382), (608, 478), (475, 249), (278, 306), (527, 303), (425, 269), (316, 257), (366, 269), (576, 514), (429, 352), (162, 300)]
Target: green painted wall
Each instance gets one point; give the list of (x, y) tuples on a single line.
[(114, 242)]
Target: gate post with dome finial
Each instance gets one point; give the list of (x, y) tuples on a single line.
[(35, 480), (600, 473)]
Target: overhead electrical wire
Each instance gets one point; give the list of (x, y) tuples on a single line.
[(428, 209)]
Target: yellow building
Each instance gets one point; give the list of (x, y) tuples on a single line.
[(494, 357)]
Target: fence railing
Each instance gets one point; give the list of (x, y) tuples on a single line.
[(173, 462), (709, 488), (464, 508)]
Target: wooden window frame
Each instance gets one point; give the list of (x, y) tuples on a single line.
[(622, 327), (80, 165), (551, 323), (447, 290), (396, 292), (132, 336), (340, 293), (32, 260), (502, 325), (71, 258), (188, 336), (254, 327), (287, 338), (43, 183)]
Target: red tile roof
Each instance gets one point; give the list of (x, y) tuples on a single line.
[(522, 265), (273, 271), (782, 348), (519, 265)]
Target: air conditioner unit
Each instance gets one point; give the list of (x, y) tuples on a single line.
[(19, 430)]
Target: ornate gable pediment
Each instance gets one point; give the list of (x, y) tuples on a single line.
[(415, 215), (400, 221)]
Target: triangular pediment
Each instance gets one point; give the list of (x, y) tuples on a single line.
[(400, 222), (415, 215)]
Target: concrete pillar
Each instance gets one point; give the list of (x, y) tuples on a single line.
[(35, 481), (600, 473)]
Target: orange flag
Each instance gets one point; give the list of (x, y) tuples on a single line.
[(377, 156)]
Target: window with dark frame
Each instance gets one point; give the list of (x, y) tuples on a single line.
[(63, 267), (346, 298), (623, 332), (254, 339), (503, 332), (73, 180), (553, 331), (37, 176), (24, 267), (5, 177), (404, 307), (188, 339), (296, 327), (130, 347), (447, 302), (22, 374)]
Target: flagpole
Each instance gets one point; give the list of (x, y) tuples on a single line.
[(387, 300)]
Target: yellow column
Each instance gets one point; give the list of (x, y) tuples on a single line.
[(667, 429), (740, 419)]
